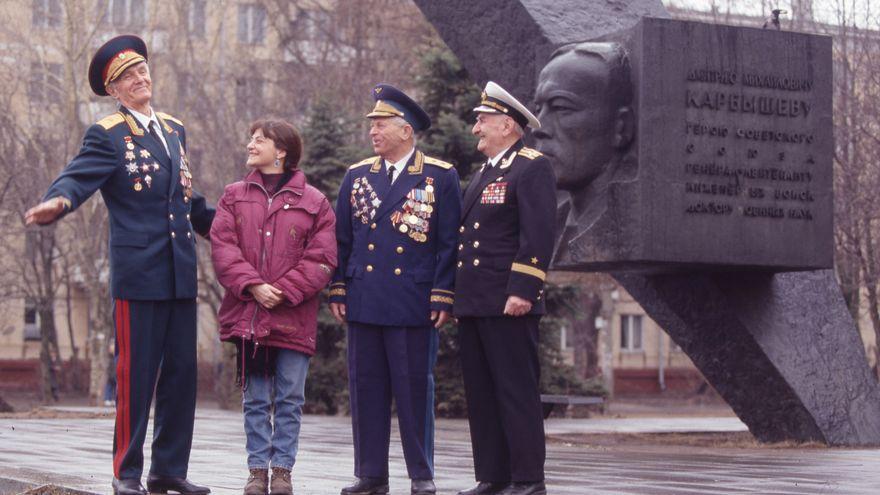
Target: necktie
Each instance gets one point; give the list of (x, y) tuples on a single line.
[(391, 174), (155, 135)]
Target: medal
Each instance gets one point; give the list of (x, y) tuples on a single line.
[(138, 186), (155, 167), (403, 228), (429, 188), (145, 154), (131, 168), (129, 146), (149, 181), (145, 168)]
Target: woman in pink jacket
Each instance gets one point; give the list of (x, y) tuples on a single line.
[(274, 249)]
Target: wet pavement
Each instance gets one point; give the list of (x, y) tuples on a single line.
[(76, 453)]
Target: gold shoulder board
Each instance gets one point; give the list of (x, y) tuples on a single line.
[(530, 153), (437, 162), (169, 117), (363, 162), (111, 121)]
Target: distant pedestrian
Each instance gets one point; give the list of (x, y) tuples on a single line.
[(274, 248)]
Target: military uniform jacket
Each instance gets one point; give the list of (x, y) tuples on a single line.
[(506, 234), (154, 213), (397, 243)]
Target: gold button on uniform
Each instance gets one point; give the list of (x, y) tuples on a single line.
[(371, 246), (373, 225), (459, 264), (476, 262), (460, 247), (268, 233), (476, 243), (171, 216), (476, 225), (173, 235), (187, 216), (397, 271), (461, 229), (189, 235), (399, 249), (369, 268)]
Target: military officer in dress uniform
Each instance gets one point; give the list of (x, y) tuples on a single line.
[(507, 231), (397, 220), (137, 158)]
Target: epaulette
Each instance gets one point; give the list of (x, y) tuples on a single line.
[(530, 153), (169, 117), (365, 161), (111, 121), (438, 163)]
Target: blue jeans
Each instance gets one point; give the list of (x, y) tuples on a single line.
[(278, 445)]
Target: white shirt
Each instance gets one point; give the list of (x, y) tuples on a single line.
[(398, 165), (145, 120)]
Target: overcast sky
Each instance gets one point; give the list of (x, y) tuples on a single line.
[(858, 12)]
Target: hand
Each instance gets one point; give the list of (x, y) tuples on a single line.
[(267, 295), (338, 310), (517, 306), (440, 317), (45, 212)]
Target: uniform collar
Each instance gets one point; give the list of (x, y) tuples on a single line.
[(497, 158), (400, 163), (144, 120)]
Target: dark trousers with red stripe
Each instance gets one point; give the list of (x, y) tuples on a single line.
[(154, 339), (501, 371)]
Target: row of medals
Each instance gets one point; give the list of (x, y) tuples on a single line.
[(185, 175), (132, 168), (415, 218), (364, 200)]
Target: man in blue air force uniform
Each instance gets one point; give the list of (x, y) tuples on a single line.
[(137, 159), (507, 233), (397, 220)]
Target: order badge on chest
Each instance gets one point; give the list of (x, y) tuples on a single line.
[(139, 170)]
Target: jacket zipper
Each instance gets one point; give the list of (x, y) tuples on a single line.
[(263, 254)]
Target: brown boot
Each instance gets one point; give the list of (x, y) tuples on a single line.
[(257, 483), (281, 484)]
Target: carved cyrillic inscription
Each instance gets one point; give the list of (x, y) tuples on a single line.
[(748, 145)]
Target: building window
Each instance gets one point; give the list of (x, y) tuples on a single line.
[(125, 13), (44, 86), (46, 13), (631, 332), (31, 320), (251, 24), (195, 18)]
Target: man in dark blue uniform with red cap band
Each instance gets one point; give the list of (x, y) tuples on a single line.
[(137, 159), (396, 227)]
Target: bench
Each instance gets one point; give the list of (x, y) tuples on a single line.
[(549, 401)]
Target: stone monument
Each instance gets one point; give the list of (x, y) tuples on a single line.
[(694, 162)]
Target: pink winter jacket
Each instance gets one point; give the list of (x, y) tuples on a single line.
[(288, 241)]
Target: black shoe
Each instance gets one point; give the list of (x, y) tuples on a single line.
[(529, 488), (423, 487), (367, 486), (485, 488), (165, 484), (128, 486)]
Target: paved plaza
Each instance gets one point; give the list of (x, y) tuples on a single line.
[(75, 453)]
